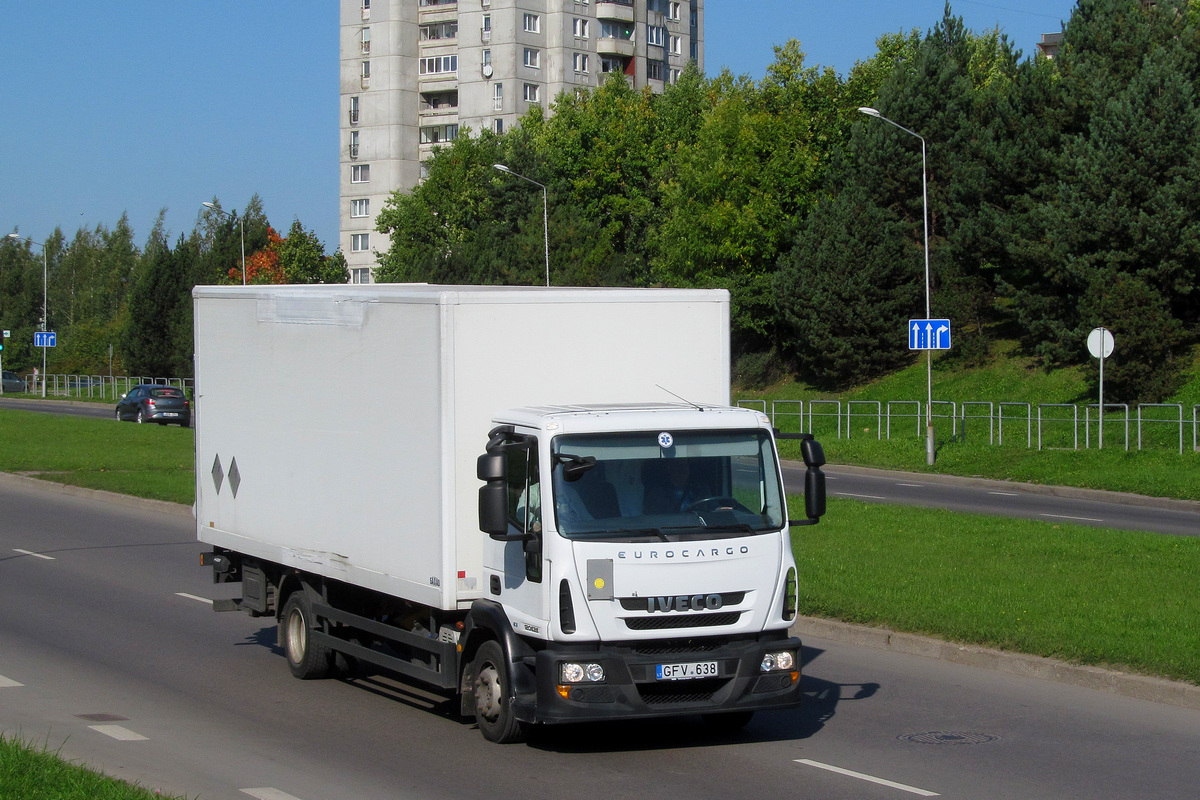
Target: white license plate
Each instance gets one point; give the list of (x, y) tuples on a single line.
[(683, 672), (170, 413)]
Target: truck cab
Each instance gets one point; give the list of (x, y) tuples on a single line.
[(642, 555)]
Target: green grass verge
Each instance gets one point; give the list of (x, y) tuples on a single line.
[(1085, 595), (30, 772), (150, 461)]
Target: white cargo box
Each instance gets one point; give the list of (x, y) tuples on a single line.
[(337, 427)]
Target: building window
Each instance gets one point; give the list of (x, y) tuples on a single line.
[(581, 62), (498, 97), (655, 70), (354, 110), (616, 30), (433, 134), (531, 92), (360, 242), (674, 74), (365, 41), (580, 28), (655, 35), (354, 144), (498, 125), (533, 58), (439, 30), (437, 65), (360, 208), (360, 275), (677, 45), (533, 23), (486, 32), (360, 173), (366, 70), (673, 11)]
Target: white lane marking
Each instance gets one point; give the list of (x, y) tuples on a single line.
[(1006, 494), (913, 485), (194, 597), (267, 793), (1063, 516), (8, 683), (35, 555), (864, 496), (870, 778), (118, 733)]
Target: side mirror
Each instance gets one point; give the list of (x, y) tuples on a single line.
[(814, 480), (493, 495)]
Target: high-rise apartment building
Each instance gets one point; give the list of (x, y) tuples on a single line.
[(416, 72)]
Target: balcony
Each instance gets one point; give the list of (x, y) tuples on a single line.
[(615, 9), (353, 151), (609, 46)]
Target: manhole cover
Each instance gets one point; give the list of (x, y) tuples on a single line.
[(948, 737)]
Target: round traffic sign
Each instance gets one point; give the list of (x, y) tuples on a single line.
[(1100, 343)]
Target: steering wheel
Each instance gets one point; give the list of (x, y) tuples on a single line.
[(714, 503)]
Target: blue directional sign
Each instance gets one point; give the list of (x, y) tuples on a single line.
[(929, 334), (44, 338)]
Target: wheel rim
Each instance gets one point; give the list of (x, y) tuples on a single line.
[(297, 636), (488, 693)]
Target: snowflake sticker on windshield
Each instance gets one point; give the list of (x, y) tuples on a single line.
[(665, 440)]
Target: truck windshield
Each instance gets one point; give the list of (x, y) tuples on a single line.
[(667, 485)]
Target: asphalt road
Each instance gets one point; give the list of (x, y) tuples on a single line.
[(109, 649)]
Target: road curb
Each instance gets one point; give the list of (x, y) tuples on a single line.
[(113, 498), (1140, 687)]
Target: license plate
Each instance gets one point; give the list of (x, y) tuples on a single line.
[(170, 413), (683, 672)]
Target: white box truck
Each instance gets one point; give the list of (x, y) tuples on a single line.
[(538, 499)]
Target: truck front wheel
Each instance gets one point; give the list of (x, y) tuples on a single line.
[(493, 697), (308, 660)]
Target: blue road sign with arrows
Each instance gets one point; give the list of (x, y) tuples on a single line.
[(929, 334), (44, 338)]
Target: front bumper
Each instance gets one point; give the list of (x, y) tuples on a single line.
[(632, 690)]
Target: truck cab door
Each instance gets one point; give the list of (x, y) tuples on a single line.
[(514, 562)]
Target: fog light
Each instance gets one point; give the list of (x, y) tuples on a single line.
[(594, 672), (572, 673), (768, 662)]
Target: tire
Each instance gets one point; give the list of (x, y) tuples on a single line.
[(141, 416), (119, 417), (728, 722), (308, 660), (493, 696)]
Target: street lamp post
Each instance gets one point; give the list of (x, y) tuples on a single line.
[(929, 441), (241, 230), (45, 295), (545, 214)]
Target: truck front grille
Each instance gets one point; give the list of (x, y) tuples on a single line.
[(676, 621)]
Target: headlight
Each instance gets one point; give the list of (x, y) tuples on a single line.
[(571, 672), (782, 661)]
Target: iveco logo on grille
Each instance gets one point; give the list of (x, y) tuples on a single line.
[(695, 602)]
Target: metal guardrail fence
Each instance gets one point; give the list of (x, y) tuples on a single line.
[(1157, 425), (97, 387)]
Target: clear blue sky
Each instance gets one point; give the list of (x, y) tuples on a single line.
[(135, 106)]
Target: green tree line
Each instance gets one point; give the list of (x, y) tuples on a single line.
[(102, 290), (1062, 196)]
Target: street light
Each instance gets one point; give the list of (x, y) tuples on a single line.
[(241, 230), (545, 214), (45, 293), (929, 444)]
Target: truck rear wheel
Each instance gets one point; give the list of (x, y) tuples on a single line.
[(308, 660), (493, 697)]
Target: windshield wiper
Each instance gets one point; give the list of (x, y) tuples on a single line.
[(638, 531)]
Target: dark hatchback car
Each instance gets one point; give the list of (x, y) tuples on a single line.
[(161, 404)]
